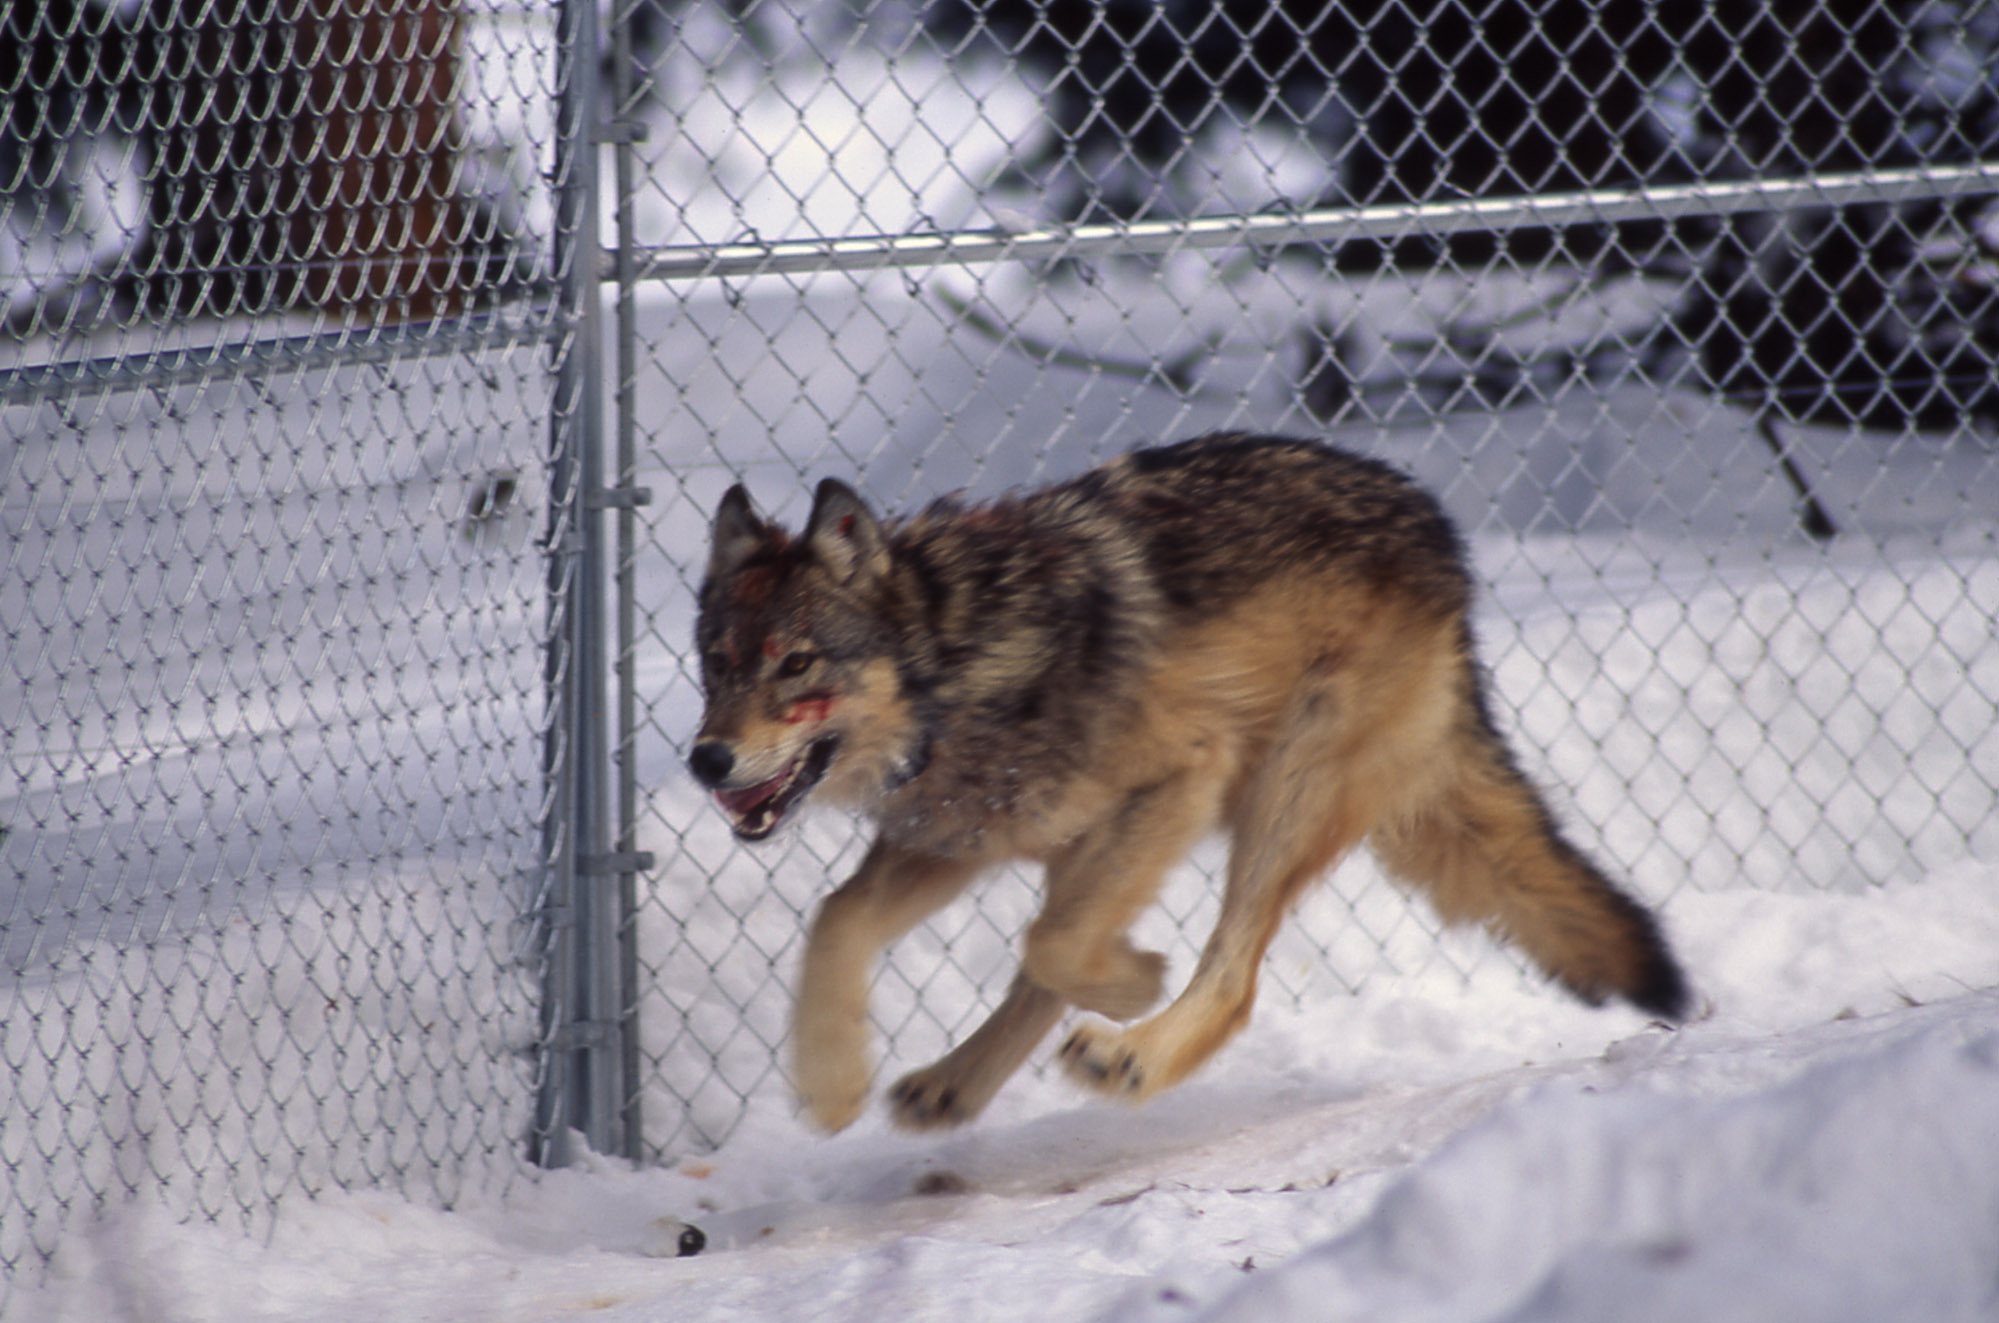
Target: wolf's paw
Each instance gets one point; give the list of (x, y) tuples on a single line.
[(1102, 1058), (929, 1099), (832, 1111), (830, 1060), (832, 1093)]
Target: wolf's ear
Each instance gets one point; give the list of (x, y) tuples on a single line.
[(844, 535), (734, 534)]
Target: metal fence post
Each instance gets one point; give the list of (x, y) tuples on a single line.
[(623, 131), (581, 1079)]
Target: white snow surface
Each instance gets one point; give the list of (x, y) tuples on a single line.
[(1822, 1142)]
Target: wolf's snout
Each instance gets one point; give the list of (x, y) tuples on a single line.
[(711, 762)]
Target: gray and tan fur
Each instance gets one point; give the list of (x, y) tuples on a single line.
[(1263, 637)]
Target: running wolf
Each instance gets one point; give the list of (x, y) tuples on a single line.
[(1260, 636)]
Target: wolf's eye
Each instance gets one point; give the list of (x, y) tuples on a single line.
[(796, 664)]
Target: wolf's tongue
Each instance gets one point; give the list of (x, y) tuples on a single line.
[(742, 801)]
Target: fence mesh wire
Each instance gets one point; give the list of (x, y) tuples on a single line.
[(275, 401), (1687, 310), (1734, 387)]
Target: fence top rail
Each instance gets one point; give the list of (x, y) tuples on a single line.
[(1328, 225)]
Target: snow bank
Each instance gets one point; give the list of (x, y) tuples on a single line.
[(1865, 1189)]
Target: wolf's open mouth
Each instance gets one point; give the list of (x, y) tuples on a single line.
[(754, 811)]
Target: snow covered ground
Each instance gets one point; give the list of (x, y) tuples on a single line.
[(1823, 1143)]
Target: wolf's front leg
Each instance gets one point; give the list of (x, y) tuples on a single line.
[(829, 1036), (1290, 819), (894, 890), (1100, 882)]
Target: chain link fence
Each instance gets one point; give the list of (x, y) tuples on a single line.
[(1686, 309), (352, 538), (282, 449)]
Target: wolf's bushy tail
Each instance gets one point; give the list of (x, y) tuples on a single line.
[(1483, 847)]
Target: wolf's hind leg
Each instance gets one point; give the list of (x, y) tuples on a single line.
[(1484, 849), (892, 892), (956, 1088)]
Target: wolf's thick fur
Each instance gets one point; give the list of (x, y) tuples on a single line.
[(1260, 636)]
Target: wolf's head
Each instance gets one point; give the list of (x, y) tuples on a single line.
[(798, 647)]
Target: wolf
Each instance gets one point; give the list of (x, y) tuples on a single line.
[(1263, 637)]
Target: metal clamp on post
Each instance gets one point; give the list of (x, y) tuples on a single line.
[(620, 498), (586, 1035), (620, 132), (616, 865)]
